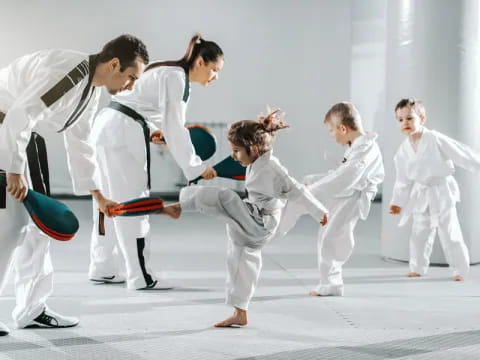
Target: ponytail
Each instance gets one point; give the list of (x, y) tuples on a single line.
[(272, 122), (207, 50), (247, 133)]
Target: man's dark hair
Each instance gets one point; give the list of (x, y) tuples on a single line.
[(126, 48)]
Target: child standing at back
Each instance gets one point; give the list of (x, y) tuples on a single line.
[(426, 190), (251, 223), (347, 192)]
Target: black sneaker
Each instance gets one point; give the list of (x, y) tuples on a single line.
[(109, 279), (4, 330), (158, 285)]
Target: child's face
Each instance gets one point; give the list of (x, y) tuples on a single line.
[(409, 121), (240, 154), (338, 132)]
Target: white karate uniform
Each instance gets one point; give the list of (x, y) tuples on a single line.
[(426, 190), (160, 96), (42, 88), (251, 223), (347, 192)]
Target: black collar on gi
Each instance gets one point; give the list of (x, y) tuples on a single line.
[(86, 95), (186, 90), (76, 75)]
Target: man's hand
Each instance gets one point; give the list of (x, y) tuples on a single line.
[(103, 203), (209, 173), (324, 220), (16, 186)]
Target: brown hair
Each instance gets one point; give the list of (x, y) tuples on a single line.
[(126, 48), (347, 114), (247, 133), (414, 104), (207, 50)]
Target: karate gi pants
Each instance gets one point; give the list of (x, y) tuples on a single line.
[(246, 237)]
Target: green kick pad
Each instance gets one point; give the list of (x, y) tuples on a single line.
[(228, 168), (51, 216), (203, 140)]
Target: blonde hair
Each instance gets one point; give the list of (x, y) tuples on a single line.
[(347, 115), (247, 133), (414, 104)]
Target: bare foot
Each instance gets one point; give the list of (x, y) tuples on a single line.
[(239, 318), (173, 210), (314, 293), (413, 274), (458, 278)]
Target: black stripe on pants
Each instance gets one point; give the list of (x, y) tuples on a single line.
[(141, 260)]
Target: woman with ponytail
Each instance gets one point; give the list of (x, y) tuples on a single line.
[(252, 222), (122, 133)]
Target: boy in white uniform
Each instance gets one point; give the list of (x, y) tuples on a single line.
[(56, 88), (346, 191), (426, 190)]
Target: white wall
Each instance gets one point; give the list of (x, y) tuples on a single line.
[(290, 54)]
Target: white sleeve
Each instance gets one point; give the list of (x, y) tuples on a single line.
[(345, 177), (286, 187), (310, 179), (81, 159), (17, 126), (402, 186), (176, 135), (461, 154)]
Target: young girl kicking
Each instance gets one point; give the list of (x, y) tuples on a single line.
[(251, 223)]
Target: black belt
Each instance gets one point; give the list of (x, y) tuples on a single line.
[(37, 166), (141, 121)]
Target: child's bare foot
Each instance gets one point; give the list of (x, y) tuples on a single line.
[(314, 293), (239, 318), (458, 278), (413, 274), (173, 210)]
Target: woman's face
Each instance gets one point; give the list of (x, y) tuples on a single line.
[(204, 73)]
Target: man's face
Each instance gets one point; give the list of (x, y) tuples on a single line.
[(124, 80)]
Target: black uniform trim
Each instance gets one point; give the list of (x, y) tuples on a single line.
[(141, 260), (186, 90), (86, 95), (67, 83), (3, 189), (38, 164)]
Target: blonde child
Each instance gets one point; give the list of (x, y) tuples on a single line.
[(426, 190), (251, 223), (347, 191)]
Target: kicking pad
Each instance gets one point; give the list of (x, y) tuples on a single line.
[(137, 207), (228, 168), (51, 216), (203, 141)]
